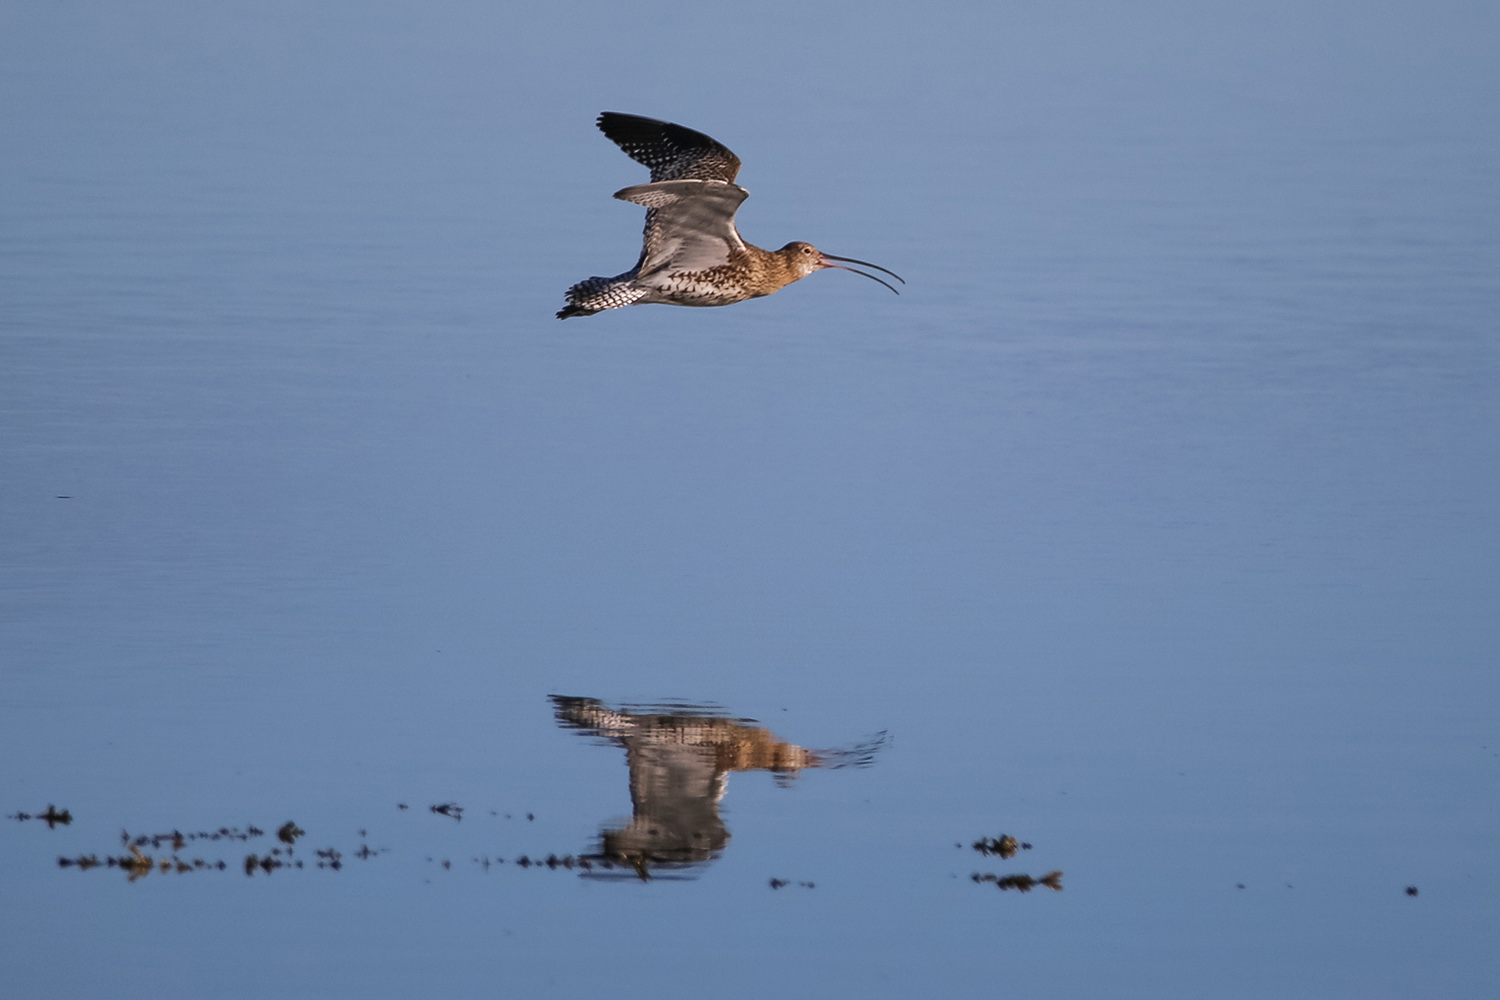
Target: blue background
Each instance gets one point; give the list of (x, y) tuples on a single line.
[(1156, 521)]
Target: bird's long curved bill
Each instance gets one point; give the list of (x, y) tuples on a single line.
[(863, 263)]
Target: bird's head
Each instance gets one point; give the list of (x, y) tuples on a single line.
[(805, 258)]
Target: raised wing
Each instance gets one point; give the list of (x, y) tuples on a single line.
[(671, 151), (689, 224)]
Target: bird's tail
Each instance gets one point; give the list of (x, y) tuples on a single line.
[(598, 294)]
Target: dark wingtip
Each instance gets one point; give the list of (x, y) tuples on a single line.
[(617, 123), (671, 151)]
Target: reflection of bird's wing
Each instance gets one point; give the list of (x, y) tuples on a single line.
[(592, 716), (674, 792), (671, 151), (668, 778), (689, 224)]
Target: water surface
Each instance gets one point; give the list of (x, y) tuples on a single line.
[(1153, 525)]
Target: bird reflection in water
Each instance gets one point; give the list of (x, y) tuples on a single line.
[(680, 757)]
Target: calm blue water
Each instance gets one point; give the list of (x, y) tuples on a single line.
[(1155, 524)]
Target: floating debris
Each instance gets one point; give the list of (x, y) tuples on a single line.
[(1004, 845), (268, 864), (781, 883), (137, 865), (160, 852), (1021, 883), (52, 817), (177, 840)]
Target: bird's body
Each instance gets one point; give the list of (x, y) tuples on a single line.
[(691, 253)]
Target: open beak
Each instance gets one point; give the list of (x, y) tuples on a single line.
[(827, 260)]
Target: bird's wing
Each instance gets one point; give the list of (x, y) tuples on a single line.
[(689, 224), (671, 151)]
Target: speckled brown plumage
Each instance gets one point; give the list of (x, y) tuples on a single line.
[(691, 252)]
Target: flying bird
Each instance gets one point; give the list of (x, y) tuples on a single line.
[(691, 253)]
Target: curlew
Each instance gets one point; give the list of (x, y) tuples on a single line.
[(691, 253)]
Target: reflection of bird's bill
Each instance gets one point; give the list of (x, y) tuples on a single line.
[(828, 258), (861, 754)]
